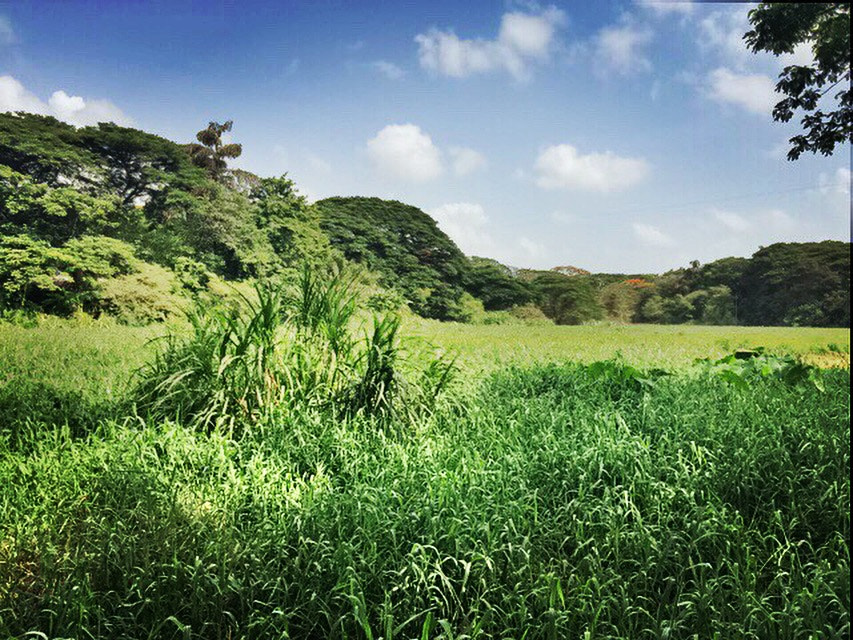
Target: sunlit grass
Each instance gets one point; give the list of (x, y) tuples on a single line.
[(530, 500), (650, 345)]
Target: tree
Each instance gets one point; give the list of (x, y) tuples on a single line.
[(779, 28), (211, 153), (494, 284)]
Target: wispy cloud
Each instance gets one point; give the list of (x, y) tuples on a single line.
[(651, 236), (622, 48), (388, 69), (731, 220), (7, 33), (466, 161), (668, 7)]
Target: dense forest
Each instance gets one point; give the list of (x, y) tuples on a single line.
[(112, 220)]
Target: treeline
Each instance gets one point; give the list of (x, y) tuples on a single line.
[(784, 284), (113, 220)]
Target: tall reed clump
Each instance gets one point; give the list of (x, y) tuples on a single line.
[(284, 349)]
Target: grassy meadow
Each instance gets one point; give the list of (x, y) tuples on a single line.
[(363, 486)]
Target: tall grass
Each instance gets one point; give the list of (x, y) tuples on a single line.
[(552, 502), (291, 473), (278, 351)]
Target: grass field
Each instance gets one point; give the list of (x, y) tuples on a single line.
[(538, 497)]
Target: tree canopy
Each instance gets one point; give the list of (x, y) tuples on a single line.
[(779, 27)]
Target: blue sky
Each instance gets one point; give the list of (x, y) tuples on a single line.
[(615, 136)]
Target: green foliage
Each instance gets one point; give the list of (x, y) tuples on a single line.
[(494, 284), (620, 301), (404, 245), (744, 368), (555, 501), (192, 275), (59, 280), (59, 184), (211, 154), (140, 298), (53, 214), (271, 353), (292, 226), (790, 282), (47, 150), (566, 299), (825, 27)]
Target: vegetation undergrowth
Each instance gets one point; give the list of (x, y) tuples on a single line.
[(280, 350), (544, 501)]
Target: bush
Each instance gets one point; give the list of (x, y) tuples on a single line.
[(277, 351), (140, 298)]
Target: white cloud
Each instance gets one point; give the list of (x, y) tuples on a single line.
[(467, 225), (404, 151), (667, 7), (722, 31), (530, 35), (779, 221), (753, 92), (15, 97), (731, 221), (523, 38), (562, 167), (652, 236), (7, 33), (837, 184), (466, 160), (621, 48), (80, 112), (389, 69), (532, 248), (75, 110), (319, 164)]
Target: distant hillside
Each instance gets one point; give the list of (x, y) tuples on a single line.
[(570, 271)]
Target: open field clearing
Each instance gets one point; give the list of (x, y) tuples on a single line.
[(649, 345)]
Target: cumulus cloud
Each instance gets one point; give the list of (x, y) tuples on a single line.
[(467, 225), (466, 160), (404, 151), (652, 236), (72, 109), (754, 92), (731, 221), (389, 69), (523, 38), (15, 97), (622, 48), (562, 167)]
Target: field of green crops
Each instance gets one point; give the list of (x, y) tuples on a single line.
[(258, 480)]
